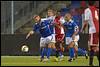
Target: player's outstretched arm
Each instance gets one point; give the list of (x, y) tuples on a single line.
[(30, 33)]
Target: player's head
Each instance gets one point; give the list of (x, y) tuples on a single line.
[(91, 3), (51, 12), (68, 17), (37, 18)]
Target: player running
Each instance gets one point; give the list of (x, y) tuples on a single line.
[(92, 18), (43, 27)]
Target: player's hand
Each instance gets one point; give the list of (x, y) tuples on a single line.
[(30, 33), (27, 36)]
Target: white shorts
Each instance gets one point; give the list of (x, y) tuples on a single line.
[(53, 39), (69, 40), (45, 41)]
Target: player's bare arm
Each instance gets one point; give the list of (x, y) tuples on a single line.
[(30, 33), (84, 25)]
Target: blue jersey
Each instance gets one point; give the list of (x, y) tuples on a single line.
[(43, 27), (71, 28), (78, 20)]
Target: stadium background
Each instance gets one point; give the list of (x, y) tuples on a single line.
[(13, 33)]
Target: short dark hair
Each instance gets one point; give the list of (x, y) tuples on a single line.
[(91, 3)]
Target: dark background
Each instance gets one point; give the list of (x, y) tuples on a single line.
[(11, 44)]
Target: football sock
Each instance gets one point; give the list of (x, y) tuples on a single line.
[(42, 52), (54, 50), (60, 53), (57, 53), (91, 57), (71, 52), (48, 52)]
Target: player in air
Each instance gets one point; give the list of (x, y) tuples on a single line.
[(43, 27), (92, 18)]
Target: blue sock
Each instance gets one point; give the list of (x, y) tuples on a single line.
[(81, 51), (42, 52), (60, 53), (48, 52), (45, 51), (71, 52)]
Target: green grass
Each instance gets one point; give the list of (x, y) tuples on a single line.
[(35, 61)]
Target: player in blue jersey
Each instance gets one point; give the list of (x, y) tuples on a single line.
[(43, 27), (72, 36)]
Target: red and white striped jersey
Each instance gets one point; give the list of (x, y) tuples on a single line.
[(92, 16), (58, 22)]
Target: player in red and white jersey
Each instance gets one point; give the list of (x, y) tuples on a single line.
[(59, 36), (92, 18)]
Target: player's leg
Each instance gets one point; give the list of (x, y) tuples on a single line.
[(76, 45), (54, 46), (71, 51), (97, 52), (49, 45), (96, 42), (76, 51), (49, 49), (53, 42), (61, 46), (94, 49), (57, 51), (93, 43), (67, 42), (70, 44), (42, 49), (61, 51), (91, 54)]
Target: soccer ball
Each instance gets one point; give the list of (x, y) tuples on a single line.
[(24, 48)]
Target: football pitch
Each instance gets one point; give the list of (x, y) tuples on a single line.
[(35, 61)]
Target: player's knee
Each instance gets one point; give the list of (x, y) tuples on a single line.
[(76, 48), (53, 45), (49, 45), (71, 44)]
